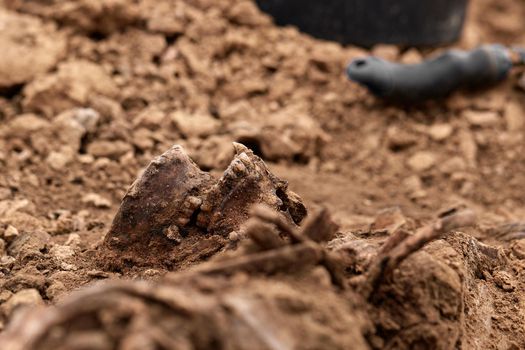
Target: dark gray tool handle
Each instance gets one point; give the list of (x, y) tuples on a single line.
[(434, 78)]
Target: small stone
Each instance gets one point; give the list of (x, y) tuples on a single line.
[(70, 85), (4, 193), (58, 160), (413, 183), (86, 158), (61, 252), (468, 147), (387, 52), (467, 188), (440, 132), (87, 117), (99, 274), (521, 82), (143, 139), (481, 118), (422, 161), (73, 240), (109, 149), (2, 247), (491, 102), (453, 165), (10, 207), (172, 232), (31, 47), (505, 281), (55, 290), (518, 248), (399, 138), (246, 13), (412, 56), (151, 273), (6, 262), (10, 233), (150, 119), (195, 125), (28, 244), (23, 298), (514, 116), (96, 200), (5, 295), (389, 220), (26, 124)]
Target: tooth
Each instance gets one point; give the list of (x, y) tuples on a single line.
[(156, 197), (238, 167), (165, 197)]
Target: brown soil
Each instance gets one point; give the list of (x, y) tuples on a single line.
[(91, 91)]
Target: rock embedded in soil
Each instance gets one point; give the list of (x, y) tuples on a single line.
[(195, 125), (72, 85), (109, 149), (29, 48), (92, 16), (24, 298), (24, 125), (96, 200), (514, 116), (468, 147), (10, 233), (481, 118), (422, 161), (440, 132)]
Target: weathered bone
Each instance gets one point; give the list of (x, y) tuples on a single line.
[(174, 213)]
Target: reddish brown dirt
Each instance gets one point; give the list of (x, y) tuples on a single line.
[(92, 91)]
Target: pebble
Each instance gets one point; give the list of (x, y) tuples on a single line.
[(25, 297), (389, 220), (2, 247), (421, 161), (505, 281), (399, 138), (440, 132), (73, 240), (453, 165), (7, 262), (514, 116), (55, 290), (109, 149), (96, 200), (5, 295), (387, 52), (518, 248), (481, 118), (412, 56), (468, 147), (27, 243), (86, 158), (195, 125), (58, 160), (25, 124), (10, 233), (61, 252), (4, 193)]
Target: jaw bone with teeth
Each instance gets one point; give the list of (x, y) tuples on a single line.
[(175, 214)]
